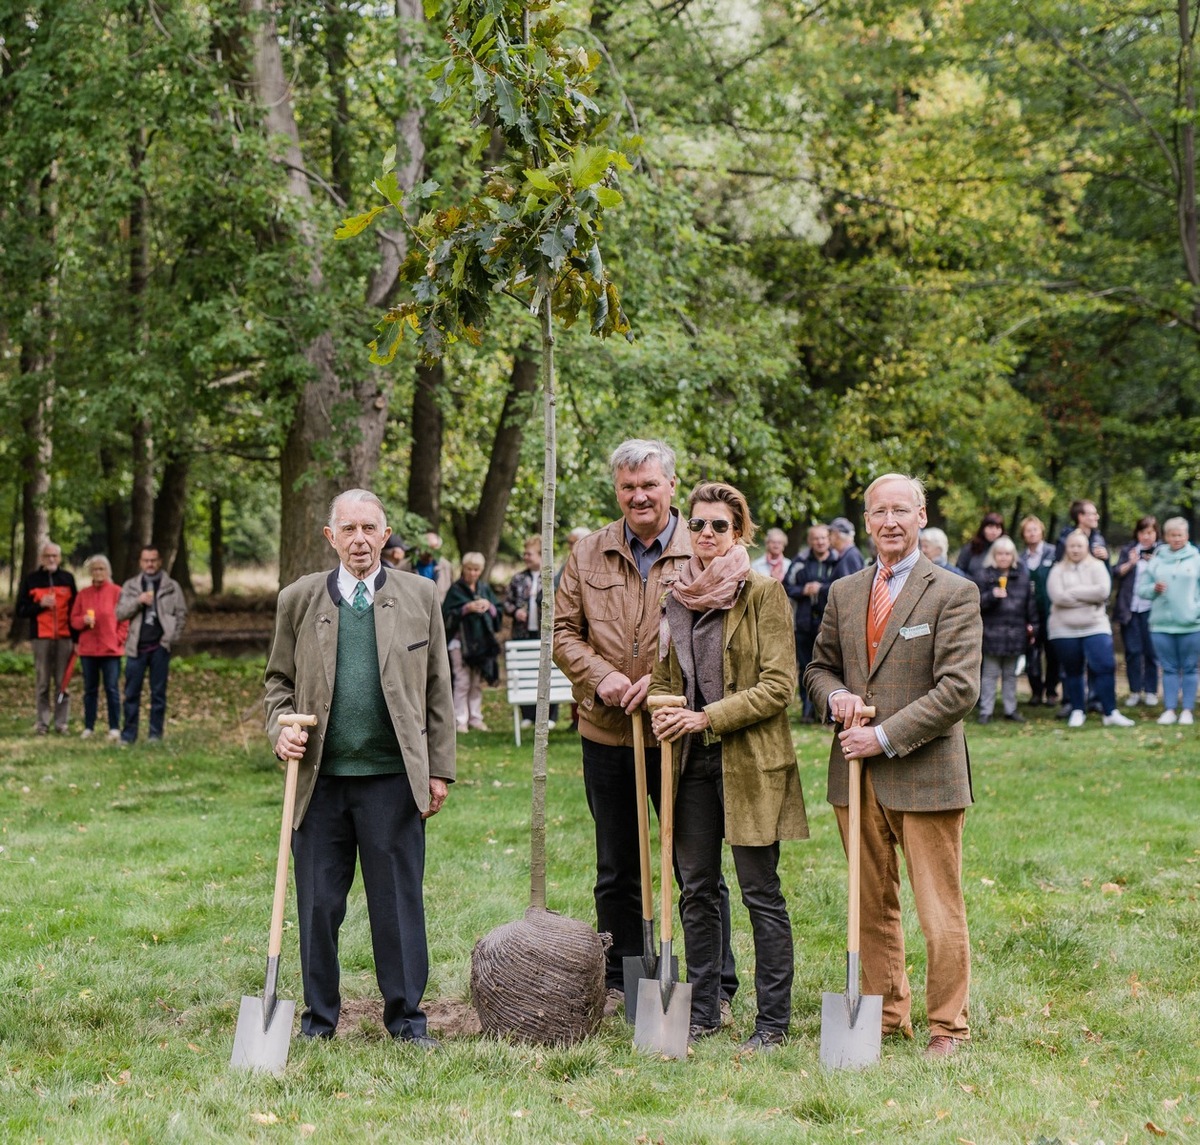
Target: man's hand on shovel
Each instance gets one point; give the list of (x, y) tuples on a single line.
[(293, 736), (857, 740)]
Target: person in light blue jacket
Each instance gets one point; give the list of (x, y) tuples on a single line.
[(1172, 583)]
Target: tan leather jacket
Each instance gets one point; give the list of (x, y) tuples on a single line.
[(606, 620)]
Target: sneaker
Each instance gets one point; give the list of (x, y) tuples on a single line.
[(1076, 718), (114, 733), (1134, 700), (86, 733), (1114, 719), (526, 724), (762, 1042), (550, 725), (1150, 699), (1168, 717), (1185, 717)]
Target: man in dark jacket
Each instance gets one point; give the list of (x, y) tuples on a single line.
[(45, 600), (809, 573)]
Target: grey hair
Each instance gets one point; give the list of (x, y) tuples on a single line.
[(999, 545), (915, 483), (937, 537), (99, 559), (49, 544), (636, 452), (1176, 523), (474, 560), (355, 495), (776, 533), (579, 532)]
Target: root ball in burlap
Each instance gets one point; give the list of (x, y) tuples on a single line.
[(540, 979)]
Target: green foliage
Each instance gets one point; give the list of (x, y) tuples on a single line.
[(534, 230)]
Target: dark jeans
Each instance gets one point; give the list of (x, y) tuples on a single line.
[(158, 663), (1096, 653), (1141, 663), (95, 669), (699, 831), (373, 818), (1041, 667), (529, 712), (608, 781), (804, 654)]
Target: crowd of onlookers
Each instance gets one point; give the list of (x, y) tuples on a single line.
[(1048, 610)]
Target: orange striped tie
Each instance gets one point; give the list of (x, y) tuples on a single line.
[(881, 609)]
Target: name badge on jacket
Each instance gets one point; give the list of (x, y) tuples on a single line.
[(915, 630)]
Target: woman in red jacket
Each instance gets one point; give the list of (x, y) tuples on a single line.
[(101, 642)]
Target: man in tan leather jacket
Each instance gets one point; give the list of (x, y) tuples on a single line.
[(606, 618)]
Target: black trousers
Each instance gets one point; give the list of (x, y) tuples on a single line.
[(699, 832), (608, 780), (374, 819)]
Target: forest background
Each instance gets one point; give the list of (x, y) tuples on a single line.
[(956, 238)]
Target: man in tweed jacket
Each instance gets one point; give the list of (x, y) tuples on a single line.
[(922, 678)]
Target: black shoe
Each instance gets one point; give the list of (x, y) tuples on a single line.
[(1014, 717), (762, 1041), (422, 1042), (695, 1033), (1035, 701), (1063, 713), (1096, 706), (984, 720)]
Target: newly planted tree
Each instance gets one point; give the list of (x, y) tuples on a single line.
[(530, 236)]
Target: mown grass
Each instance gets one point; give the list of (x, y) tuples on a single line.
[(136, 893)]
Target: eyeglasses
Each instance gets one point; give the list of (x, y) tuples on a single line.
[(900, 514), (720, 525)]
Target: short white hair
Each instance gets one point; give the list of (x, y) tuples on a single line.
[(637, 451), (915, 483), (937, 538), (99, 559), (1175, 523), (1003, 544), (773, 533), (355, 495)]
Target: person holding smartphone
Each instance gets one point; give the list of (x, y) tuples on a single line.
[(1132, 613)]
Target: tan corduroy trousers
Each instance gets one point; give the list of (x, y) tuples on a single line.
[(932, 846)]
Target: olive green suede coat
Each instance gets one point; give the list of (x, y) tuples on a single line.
[(763, 798)]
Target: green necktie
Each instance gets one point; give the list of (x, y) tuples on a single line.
[(360, 603)]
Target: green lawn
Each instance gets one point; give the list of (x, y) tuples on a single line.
[(136, 893)]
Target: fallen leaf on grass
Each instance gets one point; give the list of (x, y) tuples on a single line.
[(1155, 1129), (307, 1129), (264, 1118), (1111, 889), (1135, 987), (966, 1088), (942, 1114), (1171, 1102), (964, 1141), (988, 882), (1046, 1010), (194, 1048)]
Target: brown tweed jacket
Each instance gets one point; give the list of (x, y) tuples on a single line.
[(924, 681)]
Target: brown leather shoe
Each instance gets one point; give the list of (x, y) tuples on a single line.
[(943, 1046)]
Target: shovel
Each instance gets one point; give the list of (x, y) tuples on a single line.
[(852, 1023), (645, 965), (664, 1005), (264, 1028)]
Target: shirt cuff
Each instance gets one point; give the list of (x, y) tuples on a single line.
[(884, 742)]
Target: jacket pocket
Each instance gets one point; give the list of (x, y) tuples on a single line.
[(419, 644), (605, 596)]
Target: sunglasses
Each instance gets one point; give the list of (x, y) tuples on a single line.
[(720, 525)]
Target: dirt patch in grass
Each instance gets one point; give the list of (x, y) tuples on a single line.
[(448, 1018)]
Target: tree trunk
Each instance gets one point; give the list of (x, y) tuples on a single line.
[(425, 456), (1189, 235), (181, 569), (216, 544), (141, 500), (481, 530), (170, 509), (324, 452)]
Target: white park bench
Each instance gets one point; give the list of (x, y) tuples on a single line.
[(521, 670)]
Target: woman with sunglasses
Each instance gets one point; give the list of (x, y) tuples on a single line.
[(726, 643)]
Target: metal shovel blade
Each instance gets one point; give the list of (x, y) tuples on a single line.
[(259, 1047), (663, 1029), (850, 1041), (637, 967)]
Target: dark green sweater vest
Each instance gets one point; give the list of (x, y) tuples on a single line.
[(359, 739)]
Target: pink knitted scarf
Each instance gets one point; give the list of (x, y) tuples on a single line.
[(703, 589)]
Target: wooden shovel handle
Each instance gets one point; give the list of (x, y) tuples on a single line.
[(854, 841), (666, 817), (643, 813), (275, 942)]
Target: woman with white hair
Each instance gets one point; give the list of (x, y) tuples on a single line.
[(1081, 631), (1010, 622), (1172, 584), (101, 643)]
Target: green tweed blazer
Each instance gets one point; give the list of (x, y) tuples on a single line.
[(925, 679), (764, 802), (414, 671)]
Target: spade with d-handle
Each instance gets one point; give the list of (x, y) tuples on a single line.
[(852, 1023), (664, 1005), (264, 1028), (644, 965)]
